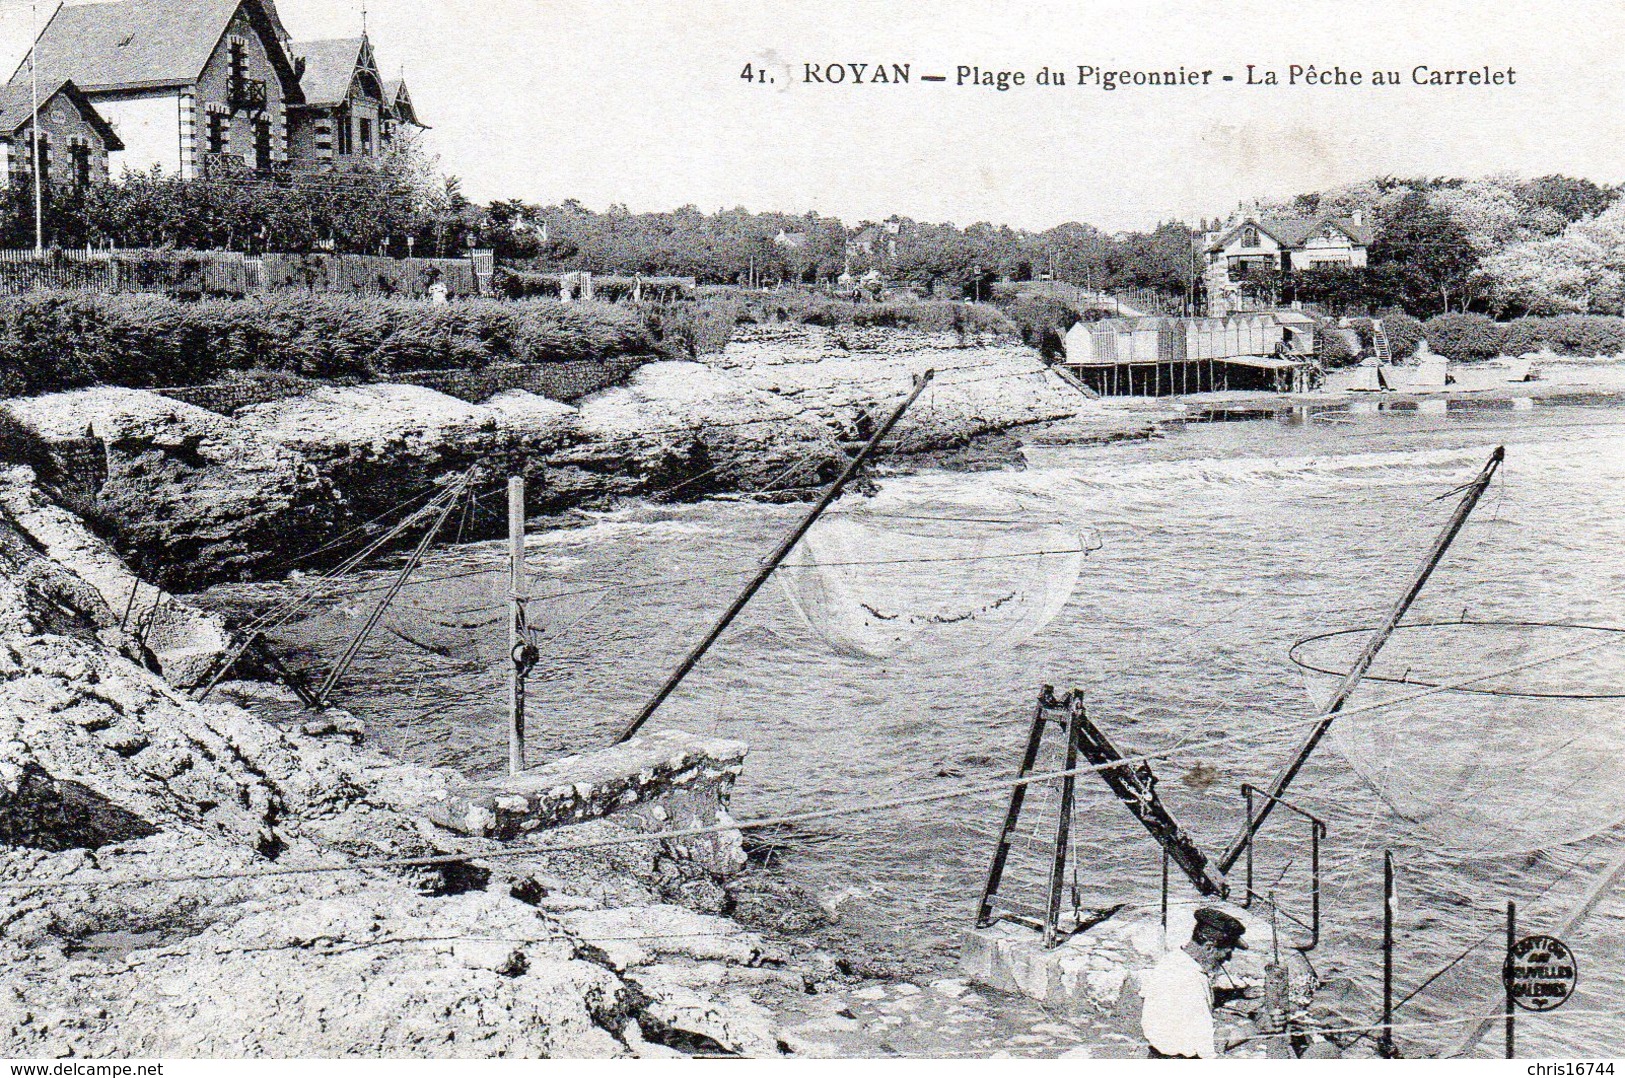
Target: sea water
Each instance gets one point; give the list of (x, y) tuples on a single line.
[(1219, 546)]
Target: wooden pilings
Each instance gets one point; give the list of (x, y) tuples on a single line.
[(517, 642)]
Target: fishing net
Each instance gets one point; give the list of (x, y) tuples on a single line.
[(932, 581), (1522, 761)]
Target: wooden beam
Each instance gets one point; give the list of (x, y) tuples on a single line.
[(774, 560), (1368, 655)]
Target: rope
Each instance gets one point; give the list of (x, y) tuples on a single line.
[(771, 821)]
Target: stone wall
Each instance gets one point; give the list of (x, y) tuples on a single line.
[(567, 381), (663, 781), (227, 397)]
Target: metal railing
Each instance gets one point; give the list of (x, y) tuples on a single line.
[(1317, 831)]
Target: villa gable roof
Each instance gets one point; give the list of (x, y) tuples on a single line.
[(132, 45)]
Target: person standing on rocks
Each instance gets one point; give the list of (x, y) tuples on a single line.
[(1177, 1019)]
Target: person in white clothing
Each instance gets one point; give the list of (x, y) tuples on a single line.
[(1177, 1019)]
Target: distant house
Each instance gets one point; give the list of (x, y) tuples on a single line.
[(74, 137), (1245, 259), (866, 241), (791, 240), (345, 109), (188, 85)]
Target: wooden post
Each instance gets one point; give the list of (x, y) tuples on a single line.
[(774, 560), (1012, 818), (1386, 1046), (1511, 1006), (1063, 833), (516, 624), (1368, 655)]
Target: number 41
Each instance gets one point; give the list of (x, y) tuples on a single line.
[(754, 74)]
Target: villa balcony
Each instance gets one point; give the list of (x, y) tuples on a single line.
[(248, 95), (224, 164)]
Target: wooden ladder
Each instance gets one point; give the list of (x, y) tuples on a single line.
[(1379, 341), (1046, 918)]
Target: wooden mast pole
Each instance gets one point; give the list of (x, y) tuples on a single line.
[(517, 643), (450, 495), (1283, 779), (774, 560)]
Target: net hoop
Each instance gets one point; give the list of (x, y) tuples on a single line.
[(1308, 667)]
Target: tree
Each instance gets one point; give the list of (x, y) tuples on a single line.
[(1581, 271), (1425, 256)]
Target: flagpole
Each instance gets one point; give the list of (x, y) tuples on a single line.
[(33, 78)]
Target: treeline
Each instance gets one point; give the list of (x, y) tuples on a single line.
[(739, 247), (1497, 245)]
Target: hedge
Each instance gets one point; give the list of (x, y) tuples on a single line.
[(1464, 337), (60, 341), (527, 284), (929, 315), (1467, 337), (1566, 334)]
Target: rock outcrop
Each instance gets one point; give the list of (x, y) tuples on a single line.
[(684, 429), (187, 643), (378, 444), (850, 381), (193, 496)]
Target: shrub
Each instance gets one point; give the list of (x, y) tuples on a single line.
[(1464, 337), (1588, 334), (1043, 322), (1332, 346), (1404, 332), (691, 329), (1527, 335), (53, 341)]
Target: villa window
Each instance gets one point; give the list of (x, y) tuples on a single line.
[(366, 136), (219, 132), (81, 163), (262, 145), (1249, 237)]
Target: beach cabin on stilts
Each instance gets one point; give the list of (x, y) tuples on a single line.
[(1272, 351)]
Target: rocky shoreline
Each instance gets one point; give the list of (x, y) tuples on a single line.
[(193, 497), (109, 771), (137, 918)]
